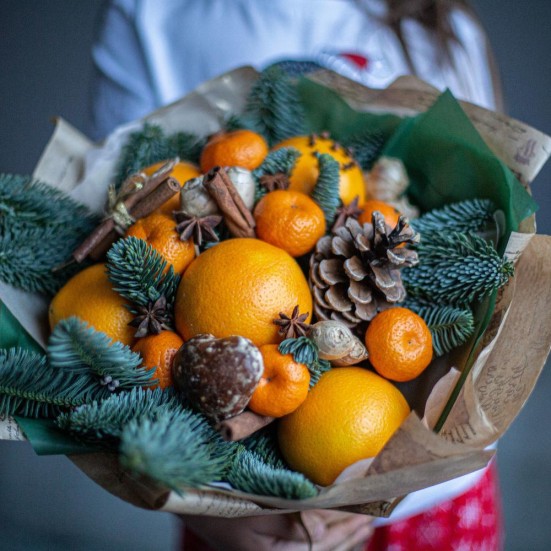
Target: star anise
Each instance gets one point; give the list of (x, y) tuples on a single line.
[(198, 228), (352, 210), (151, 319), (293, 326), (271, 182)]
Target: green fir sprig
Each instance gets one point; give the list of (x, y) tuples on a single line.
[(281, 160), (103, 421), (140, 274), (305, 351), (273, 107), (103, 365), (264, 444), (39, 229), (179, 448), (472, 215), (365, 146), (450, 326), (456, 268), (31, 388), (326, 190), (249, 473)]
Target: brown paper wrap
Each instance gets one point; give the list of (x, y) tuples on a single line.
[(507, 362)]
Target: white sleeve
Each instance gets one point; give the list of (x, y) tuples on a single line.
[(121, 89)]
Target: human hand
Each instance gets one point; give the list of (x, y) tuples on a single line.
[(320, 530)]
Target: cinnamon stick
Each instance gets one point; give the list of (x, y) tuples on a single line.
[(237, 216), (242, 425), (161, 194)]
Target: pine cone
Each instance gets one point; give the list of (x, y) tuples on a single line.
[(355, 272)]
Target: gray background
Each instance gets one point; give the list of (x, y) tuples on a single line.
[(46, 503)]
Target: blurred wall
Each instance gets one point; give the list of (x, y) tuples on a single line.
[(45, 502)]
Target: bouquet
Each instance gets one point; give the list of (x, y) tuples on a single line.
[(282, 264)]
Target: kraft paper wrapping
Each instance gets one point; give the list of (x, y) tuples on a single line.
[(507, 363)]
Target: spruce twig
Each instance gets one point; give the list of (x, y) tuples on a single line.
[(326, 190), (252, 475), (472, 215), (139, 273), (305, 351), (365, 146), (456, 268), (264, 444), (179, 448), (281, 160), (450, 326), (102, 365)]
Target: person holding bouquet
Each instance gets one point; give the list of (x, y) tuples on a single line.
[(148, 54)]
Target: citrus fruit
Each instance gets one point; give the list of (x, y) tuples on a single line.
[(182, 171), (306, 172), (399, 344), (283, 385), (290, 220), (390, 214), (349, 415), (239, 287), (159, 230), (243, 148), (89, 295), (159, 351)]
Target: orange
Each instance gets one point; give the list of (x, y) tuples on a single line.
[(243, 148), (159, 351), (182, 171), (159, 230), (349, 415), (283, 385), (390, 214), (399, 344), (89, 295), (306, 172), (289, 220), (238, 287)]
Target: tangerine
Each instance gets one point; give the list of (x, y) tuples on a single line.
[(290, 220), (349, 415), (89, 295), (305, 173), (159, 351), (399, 344), (390, 214), (283, 385), (159, 230), (238, 287), (182, 171), (242, 147)]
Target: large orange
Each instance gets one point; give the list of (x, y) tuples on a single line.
[(159, 230), (89, 295), (306, 171), (182, 171), (243, 148), (159, 351), (399, 344), (290, 220), (349, 415), (283, 386), (239, 287)]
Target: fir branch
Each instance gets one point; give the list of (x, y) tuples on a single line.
[(139, 273), (31, 388), (472, 215), (104, 421), (281, 160), (365, 146), (450, 326), (456, 268), (252, 475), (185, 146), (305, 351), (326, 190), (273, 107), (179, 448), (103, 365), (264, 444)]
